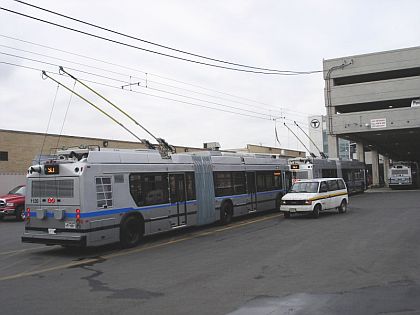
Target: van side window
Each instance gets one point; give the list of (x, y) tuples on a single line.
[(341, 184), (332, 185), (323, 187)]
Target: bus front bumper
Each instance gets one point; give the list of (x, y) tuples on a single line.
[(64, 239)]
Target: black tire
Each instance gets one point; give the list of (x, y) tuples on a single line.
[(316, 211), (226, 213), (343, 207), (131, 231), (20, 213), (286, 214)]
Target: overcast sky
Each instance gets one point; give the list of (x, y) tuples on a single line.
[(285, 35)]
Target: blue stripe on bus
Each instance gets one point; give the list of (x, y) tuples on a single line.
[(146, 208)]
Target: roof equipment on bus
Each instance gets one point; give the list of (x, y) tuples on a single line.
[(164, 148), (322, 154), (313, 155)]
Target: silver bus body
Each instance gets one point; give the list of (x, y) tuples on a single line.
[(83, 202)]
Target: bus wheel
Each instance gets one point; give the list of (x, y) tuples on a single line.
[(226, 213), (343, 207), (20, 213), (316, 211), (131, 231)]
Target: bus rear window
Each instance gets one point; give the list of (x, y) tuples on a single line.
[(63, 188)]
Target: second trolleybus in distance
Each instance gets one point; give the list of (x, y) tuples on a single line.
[(404, 175), (94, 197), (353, 172)]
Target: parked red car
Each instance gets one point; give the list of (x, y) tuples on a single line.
[(13, 203)]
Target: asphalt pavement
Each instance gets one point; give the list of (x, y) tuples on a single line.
[(366, 261)]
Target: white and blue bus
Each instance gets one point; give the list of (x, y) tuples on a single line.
[(96, 196), (353, 172), (404, 174)]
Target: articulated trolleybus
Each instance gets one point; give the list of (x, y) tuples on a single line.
[(353, 172), (97, 196), (404, 175)]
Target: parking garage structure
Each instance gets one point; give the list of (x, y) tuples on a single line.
[(373, 100)]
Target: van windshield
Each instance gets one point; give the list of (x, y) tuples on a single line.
[(305, 187)]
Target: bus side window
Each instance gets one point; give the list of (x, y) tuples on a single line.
[(190, 182), (223, 183), (149, 188), (239, 183)]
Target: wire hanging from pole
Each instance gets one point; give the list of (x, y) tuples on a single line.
[(275, 132), (48, 125), (65, 115)]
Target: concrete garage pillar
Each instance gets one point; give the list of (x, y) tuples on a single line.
[(386, 170), (332, 146), (360, 152), (375, 168)]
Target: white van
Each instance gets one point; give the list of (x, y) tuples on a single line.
[(314, 196)]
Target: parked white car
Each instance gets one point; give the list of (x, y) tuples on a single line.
[(314, 196)]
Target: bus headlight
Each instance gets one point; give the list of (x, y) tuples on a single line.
[(10, 204), (283, 202)]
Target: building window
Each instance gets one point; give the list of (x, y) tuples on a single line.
[(4, 156)]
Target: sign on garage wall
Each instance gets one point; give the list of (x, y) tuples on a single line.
[(378, 123)]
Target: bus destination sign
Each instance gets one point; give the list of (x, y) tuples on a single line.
[(51, 169)]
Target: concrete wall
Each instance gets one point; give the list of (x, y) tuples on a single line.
[(375, 62), (393, 89), (396, 118), (9, 181)]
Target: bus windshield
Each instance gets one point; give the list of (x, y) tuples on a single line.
[(305, 187)]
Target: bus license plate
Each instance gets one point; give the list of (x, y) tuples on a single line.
[(292, 209), (69, 225)]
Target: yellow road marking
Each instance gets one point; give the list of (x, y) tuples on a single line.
[(136, 250), (21, 250)]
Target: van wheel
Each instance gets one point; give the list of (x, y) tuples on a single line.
[(20, 213), (343, 207), (131, 231), (316, 211), (226, 213)]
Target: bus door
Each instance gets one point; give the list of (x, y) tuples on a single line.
[(252, 191), (178, 199)]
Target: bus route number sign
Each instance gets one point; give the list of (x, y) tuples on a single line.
[(51, 169)]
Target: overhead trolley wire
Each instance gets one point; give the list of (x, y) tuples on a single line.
[(269, 108), (158, 96), (53, 64), (147, 94), (150, 88), (167, 47), (122, 74), (141, 48)]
